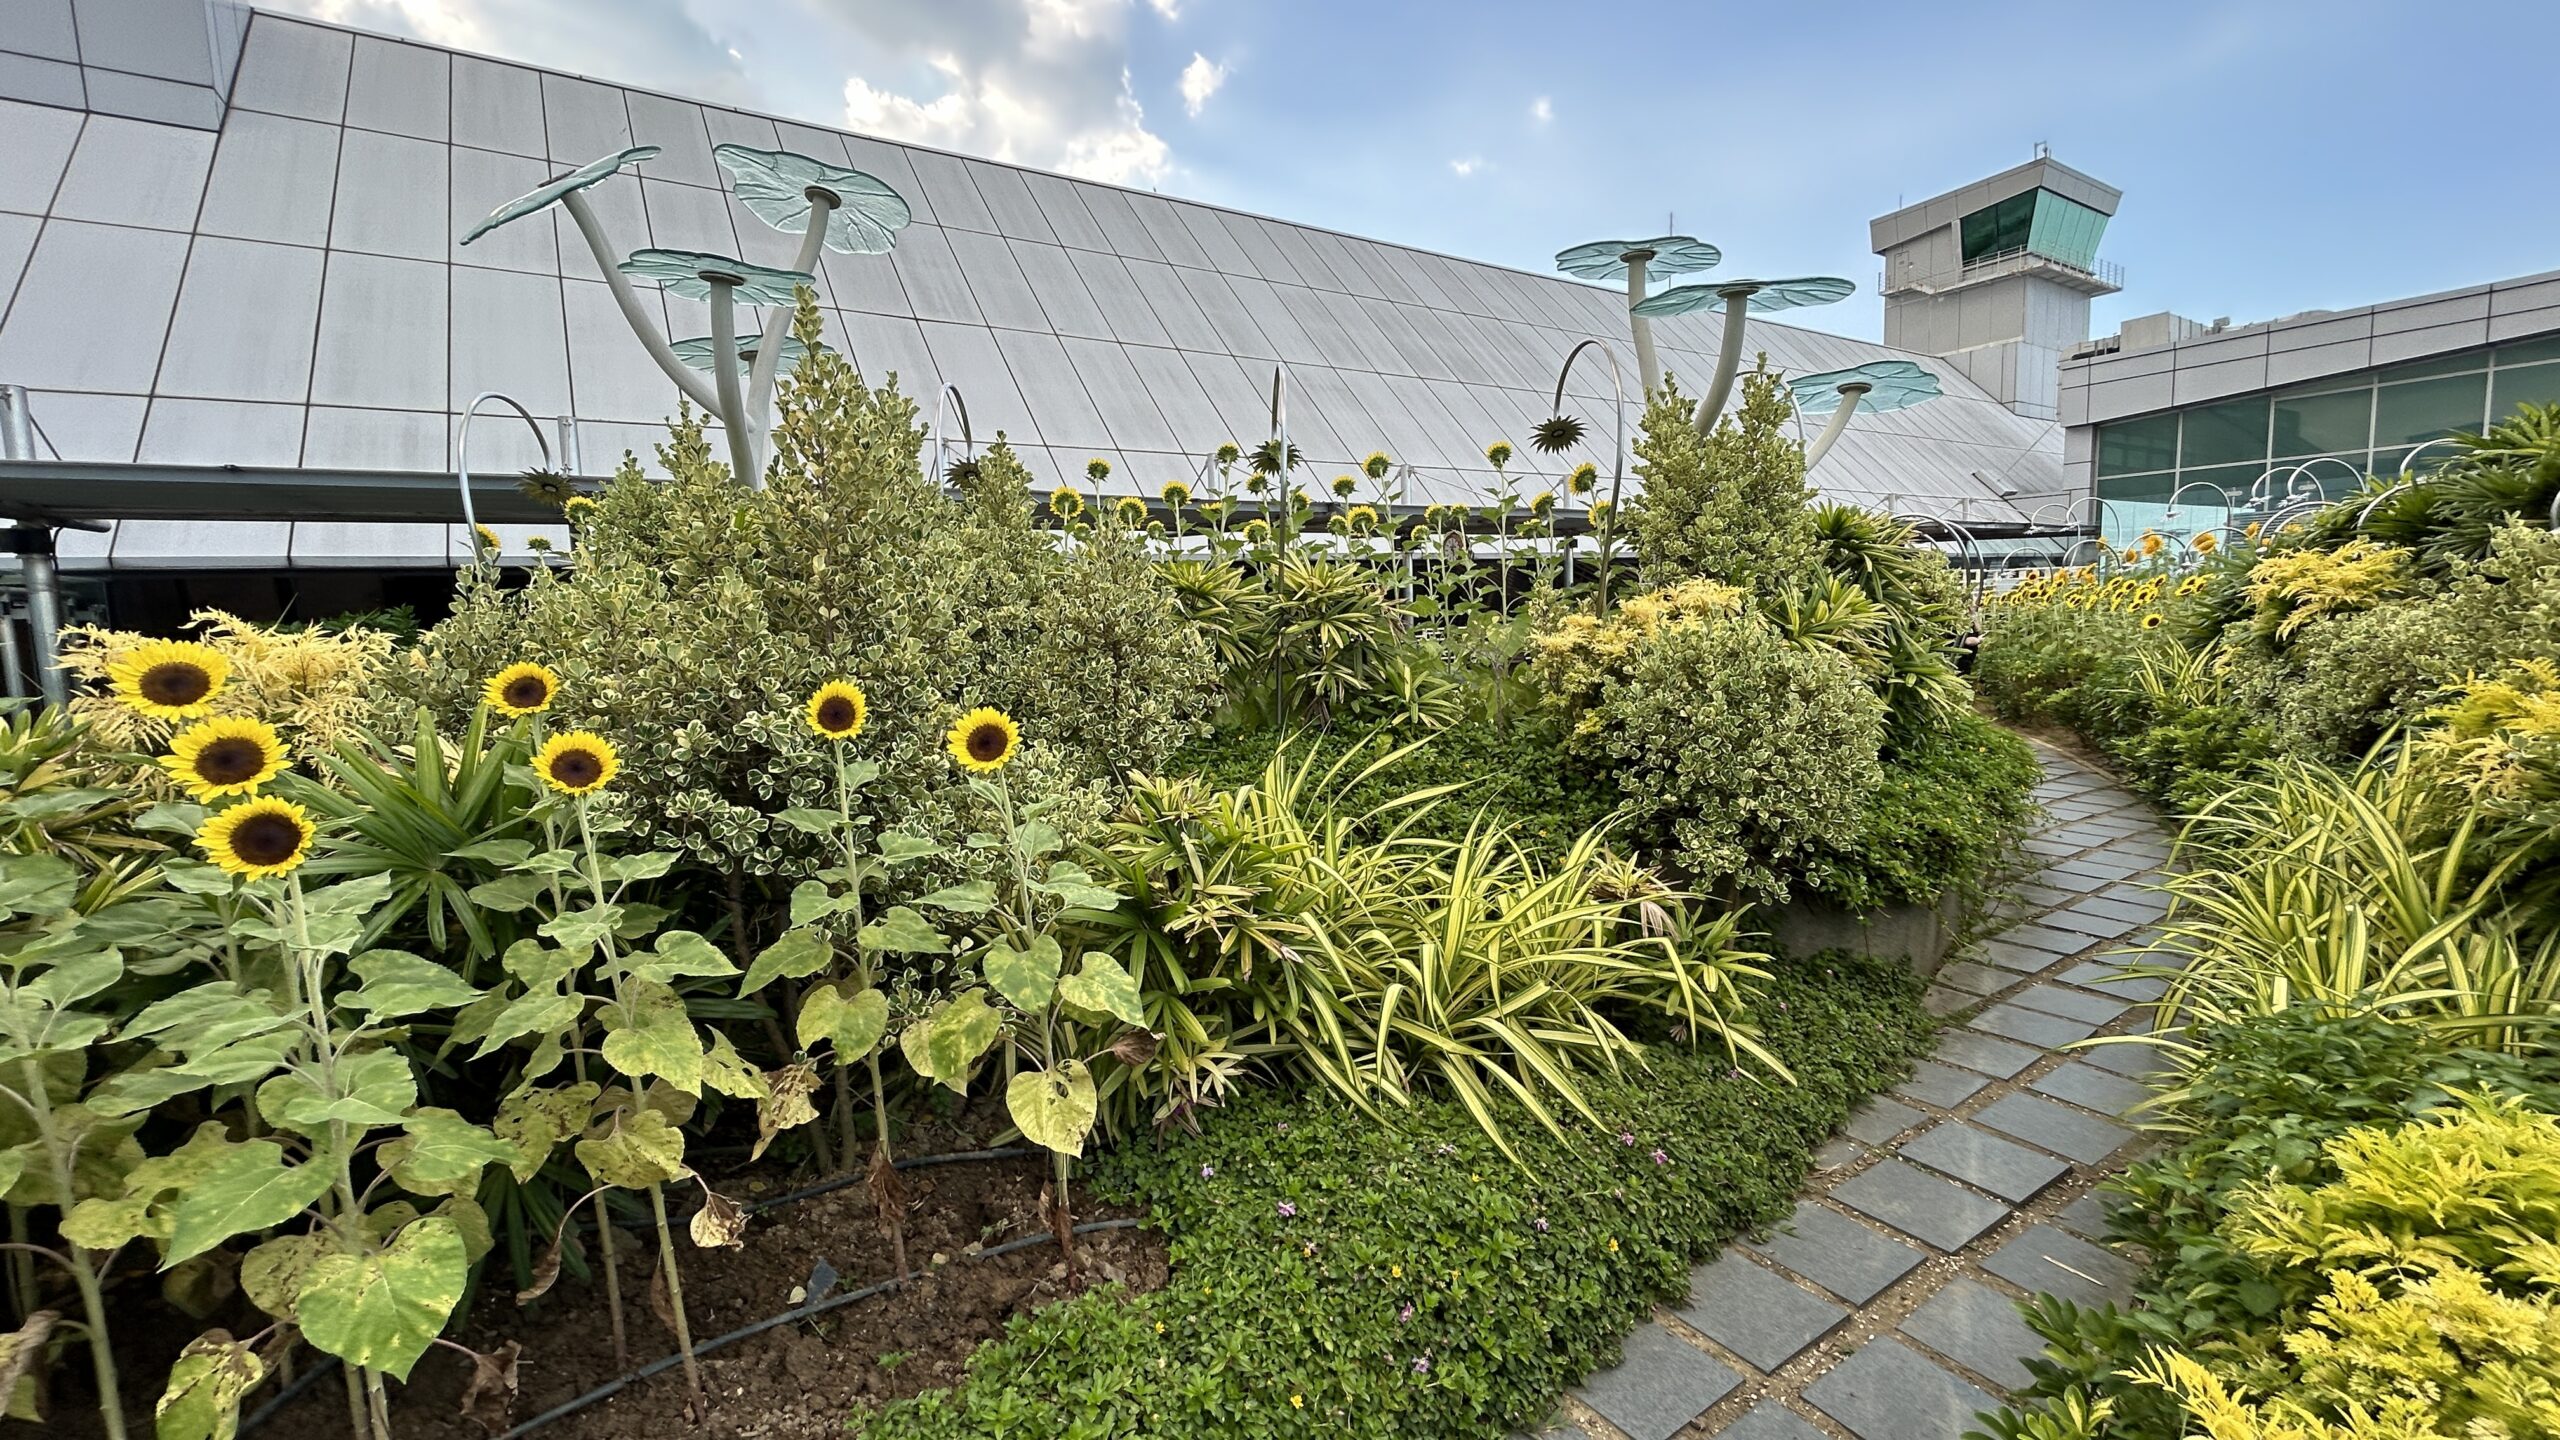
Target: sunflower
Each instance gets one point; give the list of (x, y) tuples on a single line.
[(1582, 478), (258, 839), (2205, 542), (1556, 434), (577, 508), (1541, 503), (1498, 454), (169, 679), (578, 763), (1227, 453), (488, 538), (1176, 494), (982, 740), (2251, 532), (1600, 508), (2153, 621), (1097, 469), (1066, 502), (227, 755), (1257, 531), (521, 689), (1363, 518), (2151, 542), (1377, 465), (837, 710), (1343, 485)]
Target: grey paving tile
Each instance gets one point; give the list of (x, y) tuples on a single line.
[(1838, 1153), (2097, 869), (2054, 846), (1837, 1253), (2019, 959), (2143, 898), (2103, 904), (1756, 1313), (2052, 1261), (2059, 943), (2096, 927), (1981, 1052), (1880, 1119), (1943, 1002), (2072, 1004), (2045, 896), (2108, 977), (1888, 1391), (1770, 1420), (2058, 1128), (2029, 1027), (1980, 979), (2084, 1084), (1941, 1085), (1978, 1328), (1660, 1385), (1982, 1159), (1919, 1204), (1554, 1430), (2088, 1214), (2137, 1061)]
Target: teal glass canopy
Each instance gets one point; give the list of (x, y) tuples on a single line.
[(2034, 221), (697, 352), (1893, 385), (778, 185), (1663, 255), (550, 191), (1765, 295), (691, 274)]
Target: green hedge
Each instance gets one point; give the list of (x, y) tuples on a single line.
[(1951, 804), (1336, 1276)]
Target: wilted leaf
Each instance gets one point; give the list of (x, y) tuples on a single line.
[(720, 1223), (20, 1351), (635, 1149), (383, 1309), (851, 1023), (723, 1071), (1053, 1108), (786, 1104), (655, 1040), (272, 1274), (489, 1401), (470, 1222), (443, 1153), (534, 1122), (202, 1401), (1136, 1048), (948, 1041), (1027, 977), (1103, 986)]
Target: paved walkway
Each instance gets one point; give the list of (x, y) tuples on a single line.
[(1883, 1310)]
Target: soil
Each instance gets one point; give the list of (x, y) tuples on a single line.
[(793, 1381)]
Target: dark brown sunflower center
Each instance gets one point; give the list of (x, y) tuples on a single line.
[(987, 743), (576, 768), (527, 692), (836, 714), (232, 760), (176, 682), (266, 839)]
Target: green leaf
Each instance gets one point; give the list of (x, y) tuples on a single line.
[(973, 897), (536, 1014), (811, 900), (1053, 1108), (510, 893), (534, 1122), (376, 1088), (133, 1092), (251, 1188), (1029, 977), (904, 931), (503, 854), (537, 964), (723, 1071), (640, 1148), (173, 817), (1102, 985), (382, 1310), (626, 868), (37, 884), (1076, 889), (98, 1223), (207, 1017), (272, 1274), (444, 1153), (898, 849), (1038, 838), (202, 1399), (950, 1039), (581, 931), (810, 822), (355, 897), (76, 977), (194, 877), (858, 773), (851, 1023), (656, 1039), (394, 982), (796, 956), (678, 955)]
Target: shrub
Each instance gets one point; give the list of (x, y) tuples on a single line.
[(1423, 1284), (314, 686), (1735, 750), (1731, 506), (701, 614), (1924, 607), (1943, 813)]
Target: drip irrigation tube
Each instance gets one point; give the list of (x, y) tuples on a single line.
[(328, 1364)]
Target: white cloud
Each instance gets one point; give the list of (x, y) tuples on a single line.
[(1169, 9), (1542, 110), (1200, 80), (1468, 166)]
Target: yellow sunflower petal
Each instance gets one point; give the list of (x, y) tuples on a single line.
[(838, 709), (578, 763), (226, 755), (983, 740), (258, 839), (169, 679), (521, 689)]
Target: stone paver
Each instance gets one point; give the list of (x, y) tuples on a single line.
[(1985, 1156)]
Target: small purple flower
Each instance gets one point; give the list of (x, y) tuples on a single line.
[(1288, 1211), (1661, 1159), (1446, 1149), (1421, 1364), (1542, 1224), (1284, 1127), (1627, 1137), (1405, 1315), (1208, 1170)]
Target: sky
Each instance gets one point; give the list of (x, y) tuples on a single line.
[(2276, 157)]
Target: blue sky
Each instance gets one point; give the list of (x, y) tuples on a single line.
[(2275, 157)]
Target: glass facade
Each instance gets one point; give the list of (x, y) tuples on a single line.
[(2343, 429), (2038, 220)]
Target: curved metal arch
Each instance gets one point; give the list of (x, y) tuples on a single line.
[(2229, 501), (2104, 550), (462, 455), (1618, 451), (1970, 548), (948, 401), (2408, 459)]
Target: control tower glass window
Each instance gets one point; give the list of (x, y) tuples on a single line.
[(2038, 221)]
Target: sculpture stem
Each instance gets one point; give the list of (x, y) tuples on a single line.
[(1850, 395), (778, 323), (1728, 360), (623, 295), (724, 369), (1647, 370)]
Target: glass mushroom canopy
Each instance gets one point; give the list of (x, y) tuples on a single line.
[(698, 351), (1634, 261), (1891, 385), (782, 189), (1740, 299), (560, 188)]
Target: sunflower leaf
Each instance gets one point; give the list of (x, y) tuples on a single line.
[(505, 854), (392, 983), (950, 1040), (811, 900), (971, 897), (810, 822), (533, 1122), (1053, 1108), (1102, 985), (899, 849), (202, 1400), (679, 954), (581, 931), (1074, 887), (509, 893), (1027, 977), (642, 1148), (249, 1188), (444, 1154), (796, 956), (382, 1310), (903, 930)]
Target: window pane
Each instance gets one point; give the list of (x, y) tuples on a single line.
[(2440, 365), (2528, 385), (2129, 446), (2311, 424), (2065, 230), (2546, 348), (1997, 229), (2407, 414), (2132, 506), (2230, 432)]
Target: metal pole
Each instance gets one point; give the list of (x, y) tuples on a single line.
[(462, 457), (34, 544), (13, 666), (571, 461)]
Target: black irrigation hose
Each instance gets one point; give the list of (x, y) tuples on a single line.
[(614, 1386), (328, 1363)]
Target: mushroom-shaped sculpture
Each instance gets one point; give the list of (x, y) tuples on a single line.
[(1878, 386), (567, 191), (697, 352), (723, 281), (841, 209), (1633, 261), (1754, 297)]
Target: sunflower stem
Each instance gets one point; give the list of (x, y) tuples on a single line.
[(675, 1294)]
